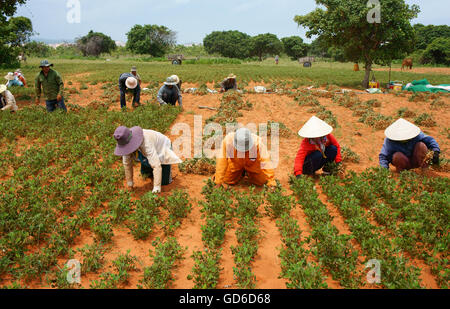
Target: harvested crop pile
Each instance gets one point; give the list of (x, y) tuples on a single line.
[(199, 166), (425, 120)]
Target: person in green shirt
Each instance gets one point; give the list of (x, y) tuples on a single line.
[(52, 84)]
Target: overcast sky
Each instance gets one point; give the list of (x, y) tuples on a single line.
[(191, 19)]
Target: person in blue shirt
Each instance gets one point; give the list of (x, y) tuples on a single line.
[(406, 147), (170, 93)]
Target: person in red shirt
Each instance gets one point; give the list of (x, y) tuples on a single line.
[(318, 149)]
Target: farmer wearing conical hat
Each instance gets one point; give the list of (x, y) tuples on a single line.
[(406, 147), (128, 81), (135, 74), (229, 83), (154, 151), (319, 148), (7, 100), (51, 83), (170, 93), (243, 152)]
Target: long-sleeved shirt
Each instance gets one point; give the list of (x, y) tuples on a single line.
[(52, 85), (228, 84), (168, 95), (123, 78), (10, 101), (390, 147), (257, 163), (307, 148), (156, 147)]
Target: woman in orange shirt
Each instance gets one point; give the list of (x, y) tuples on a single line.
[(318, 149)]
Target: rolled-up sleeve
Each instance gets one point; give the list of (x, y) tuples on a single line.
[(128, 167)]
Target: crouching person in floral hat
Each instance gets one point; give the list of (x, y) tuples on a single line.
[(152, 149)]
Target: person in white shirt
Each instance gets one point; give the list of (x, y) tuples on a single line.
[(8, 100), (154, 151)]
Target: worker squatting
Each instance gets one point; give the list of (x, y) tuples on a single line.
[(241, 152)]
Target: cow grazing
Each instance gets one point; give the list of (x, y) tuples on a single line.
[(408, 63)]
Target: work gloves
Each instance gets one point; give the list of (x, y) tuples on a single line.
[(436, 158)]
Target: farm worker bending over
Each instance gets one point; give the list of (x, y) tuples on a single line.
[(7, 100), (178, 80), (170, 93), (229, 83), (318, 149), (135, 74), (129, 81), (12, 80), (51, 82), (153, 150), (19, 75), (243, 152), (406, 147)]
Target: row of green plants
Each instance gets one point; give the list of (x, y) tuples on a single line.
[(364, 110), (333, 250), (355, 200), (296, 266), (247, 235), (217, 209), (60, 177), (414, 211)]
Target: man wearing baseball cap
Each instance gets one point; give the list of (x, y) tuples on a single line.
[(406, 147), (128, 81), (135, 74), (244, 153), (51, 83), (154, 151)]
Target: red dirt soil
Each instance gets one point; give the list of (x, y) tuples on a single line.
[(362, 139)]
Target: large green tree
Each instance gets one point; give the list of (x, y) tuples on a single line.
[(427, 34), (438, 52), (266, 44), (349, 24), (95, 43), (151, 39), (8, 38), (294, 47), (232, 44)]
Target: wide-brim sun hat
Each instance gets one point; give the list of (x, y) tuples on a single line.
[(131, 82), (231, 76), (176, 78), (315, 128), (402, 130), (171, 81), (45, 63), (133, 69), (10, 76), (128, 140), (243, 140), (3, 88)]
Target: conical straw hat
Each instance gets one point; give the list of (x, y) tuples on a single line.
[(315, 128), (402, 130)]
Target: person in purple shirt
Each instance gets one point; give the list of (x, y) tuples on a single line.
[(406, 147)]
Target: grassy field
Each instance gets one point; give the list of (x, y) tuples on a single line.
[(63, 195)]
